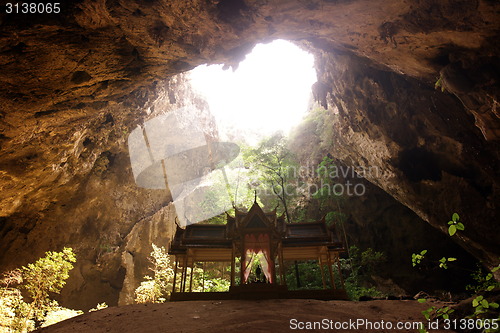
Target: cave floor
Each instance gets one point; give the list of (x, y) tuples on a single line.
[(245, 316)]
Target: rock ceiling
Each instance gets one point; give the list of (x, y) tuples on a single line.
[(74, 84)]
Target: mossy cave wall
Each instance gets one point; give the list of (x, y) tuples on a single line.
[(74, 85)]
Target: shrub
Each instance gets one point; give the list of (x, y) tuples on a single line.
[(361, 265), (156, 289), (47, 275)]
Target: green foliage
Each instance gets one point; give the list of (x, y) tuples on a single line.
[(416, 258), (156, 289), (481, 306), (355, 291), (301, 215), (443, 262), (46, 276), (210, 277), (455, 225), (484, 309), (435, 312), (148, 292), (327, 199), (310, 276), (361, 266), (216, 284), (14, 312), (333, 217), (327, 173), (484, 280), (274, 169), (439, 84)]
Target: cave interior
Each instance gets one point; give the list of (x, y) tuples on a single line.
[(410, 88)]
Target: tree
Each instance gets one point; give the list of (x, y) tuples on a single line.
[(275, 167), (156, 289), (46, 276)]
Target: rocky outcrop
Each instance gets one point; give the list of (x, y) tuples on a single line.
[(87, 199), (74, 84), (428, 153), (157, 229)]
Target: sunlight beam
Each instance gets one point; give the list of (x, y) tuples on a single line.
[(270, 91)]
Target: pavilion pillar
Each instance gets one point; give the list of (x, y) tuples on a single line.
[(337, 259), (242, 268), (175, 273), (322, 269), (203, 276), (191, 278), (330, 270), (282, 265), (233, 266), (273, 266), (184, 274)]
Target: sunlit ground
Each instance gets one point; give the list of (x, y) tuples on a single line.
[(270, 91)]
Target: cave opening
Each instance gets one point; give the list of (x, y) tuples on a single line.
[(269, 91)]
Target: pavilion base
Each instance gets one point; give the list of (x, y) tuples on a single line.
[(261, 291)]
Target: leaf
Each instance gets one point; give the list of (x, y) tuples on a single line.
[(452, 259), (426, 315), (422, 300), (438, 83), (485, 304), (495, 269), (423, 252), (452, 230), (494, 305), (455, 217), (442, 260), (490, 288), (489, 276), (451, 222), (460, 226)]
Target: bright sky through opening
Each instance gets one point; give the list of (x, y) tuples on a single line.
[(269, 91)]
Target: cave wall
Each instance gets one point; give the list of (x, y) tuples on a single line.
[(74, 84), (379, 222), (427, 151), (368, 217), (91, 201)]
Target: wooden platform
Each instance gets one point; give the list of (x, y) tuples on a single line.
[(261, 291)]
